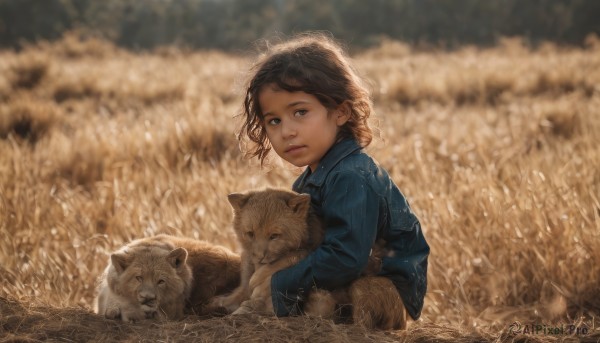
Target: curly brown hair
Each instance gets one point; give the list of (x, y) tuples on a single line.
[(314, 64)]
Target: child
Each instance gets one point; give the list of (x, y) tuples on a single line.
[(306, 103)]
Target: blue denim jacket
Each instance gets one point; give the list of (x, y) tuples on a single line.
[(359, 204)]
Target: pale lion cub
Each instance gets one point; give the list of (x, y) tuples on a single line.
[(276, 229), (162, 276), (145, 282)]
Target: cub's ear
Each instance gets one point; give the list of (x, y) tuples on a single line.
[(120, 261), (177, 257), (238, 200), (300, 204)]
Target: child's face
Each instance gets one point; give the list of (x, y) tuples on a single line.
[(300, 129)]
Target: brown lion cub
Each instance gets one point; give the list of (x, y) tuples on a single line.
[(276, 229), (162, 276)]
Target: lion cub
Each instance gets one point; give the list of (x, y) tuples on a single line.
[(163, 276), (276, 229)]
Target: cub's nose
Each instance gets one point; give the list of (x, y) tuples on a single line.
[(147, 298), (260, 257), (264, 260)]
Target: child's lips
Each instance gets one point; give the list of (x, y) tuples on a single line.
[(294, 148)]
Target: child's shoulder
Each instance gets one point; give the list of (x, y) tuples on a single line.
[(359, 161), (359, 166)]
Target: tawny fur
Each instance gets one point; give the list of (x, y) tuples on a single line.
[(276, 229), (274, 233), (374, 300), (207, 270), (215, 269), (145, 282), (377, 304)]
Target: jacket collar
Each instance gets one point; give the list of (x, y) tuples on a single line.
[(335, 154)]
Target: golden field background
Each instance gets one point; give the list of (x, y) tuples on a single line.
[(497, 150)]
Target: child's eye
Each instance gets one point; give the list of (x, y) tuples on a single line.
[(139, 278), (274, 236), (273, 121), (250, 234), (161, 282), (300, 113)]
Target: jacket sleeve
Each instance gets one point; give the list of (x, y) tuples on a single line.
[(350, 211)]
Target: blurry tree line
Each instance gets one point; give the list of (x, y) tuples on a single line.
[(235, 24)]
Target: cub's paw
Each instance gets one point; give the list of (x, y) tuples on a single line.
[(228, 303), (218, 301), (133, 316), (245, 307), (321, 303), (112, 313)]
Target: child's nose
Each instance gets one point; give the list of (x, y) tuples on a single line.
[(288, 129)]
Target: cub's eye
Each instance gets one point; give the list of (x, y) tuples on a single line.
[(250, 234), (161, 282), (274, 236), (139, 278)]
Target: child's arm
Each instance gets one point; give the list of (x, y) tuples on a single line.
[(350, 210)]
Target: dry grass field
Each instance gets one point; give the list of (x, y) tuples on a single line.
[(497, 150)]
